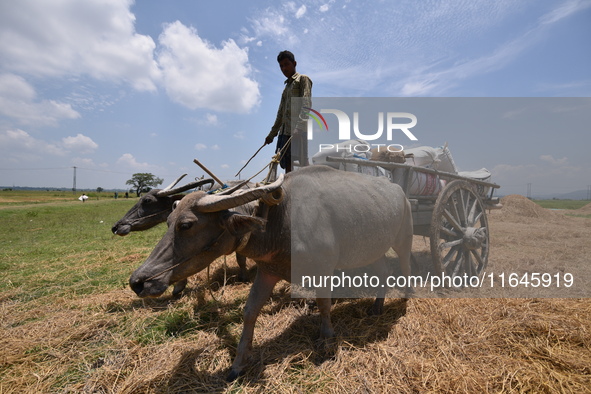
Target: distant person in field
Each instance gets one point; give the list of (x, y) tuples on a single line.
[(296, 85)]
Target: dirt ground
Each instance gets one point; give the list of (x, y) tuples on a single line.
[(537, 345)]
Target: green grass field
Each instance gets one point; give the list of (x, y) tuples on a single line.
[(562, 204), (66, 247), (567, 205), (29, 197), (55, 250)]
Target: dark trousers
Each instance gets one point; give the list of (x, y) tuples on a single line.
[(298, 146)]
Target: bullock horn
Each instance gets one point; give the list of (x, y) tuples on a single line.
[(173, 184), (232, 189), (214, 203), (273, 198), (191, 185)]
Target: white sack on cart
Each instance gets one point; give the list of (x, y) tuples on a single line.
[(421, 183), (481, 175), (374, 171), (439, 158), (344, 150)]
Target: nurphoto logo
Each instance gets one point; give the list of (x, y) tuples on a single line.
[(313, 114), (394, 121)]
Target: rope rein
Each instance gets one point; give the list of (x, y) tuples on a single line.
[(132, 222), (205, 249), (223, 285), (276, 158), (164, 271), (241, 243), (245, 238)]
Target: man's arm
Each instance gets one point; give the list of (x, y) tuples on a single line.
[(277, 125), (306, 91)]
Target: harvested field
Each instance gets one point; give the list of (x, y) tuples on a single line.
[(585, 210), (109, 341)]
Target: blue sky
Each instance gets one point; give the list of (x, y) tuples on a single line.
[(116, 87)]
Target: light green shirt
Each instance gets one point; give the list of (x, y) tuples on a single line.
[(299, 85)]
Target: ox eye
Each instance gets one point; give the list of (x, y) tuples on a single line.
[(174, 204), (149, 200), (186, 225)]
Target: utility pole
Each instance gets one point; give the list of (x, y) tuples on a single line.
[(529, 191), (74, 185), (588, 192)]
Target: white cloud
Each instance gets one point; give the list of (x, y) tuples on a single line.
[(16, 88), (442, 45), (549, 175), (439, 80), (80, 143), (128, 160), (18, 100), (240, 135), (509, 173), (550, 159), (211, 119), (225, 166), (70, 37), (20, 145), (300, 12), (200, 146), (572, 88), (417, 88), (83, 162), (215, 147), (564, 10), (198, 75), (271, 23)]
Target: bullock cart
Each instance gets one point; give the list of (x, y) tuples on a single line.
[(454, 218)]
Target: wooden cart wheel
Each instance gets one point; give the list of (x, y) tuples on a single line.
[(459, 231)]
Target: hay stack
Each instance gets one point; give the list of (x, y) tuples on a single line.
[(518, 207)]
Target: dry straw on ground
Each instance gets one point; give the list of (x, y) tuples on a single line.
[(94, 344), (585, 209)]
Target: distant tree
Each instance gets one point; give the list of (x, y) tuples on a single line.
[(99, 189), (143, 182)]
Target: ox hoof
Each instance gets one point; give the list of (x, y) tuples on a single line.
[(326, 349), (327, 334), (243, 278), (233, 375), (327, 342), (179, 287), (377, 308)]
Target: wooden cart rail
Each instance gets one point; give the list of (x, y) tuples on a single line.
[(409, 168), (454, 219)]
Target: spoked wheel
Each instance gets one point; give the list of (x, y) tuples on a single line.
[(459, 231)]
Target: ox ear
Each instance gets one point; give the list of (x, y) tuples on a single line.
[(239, 225)]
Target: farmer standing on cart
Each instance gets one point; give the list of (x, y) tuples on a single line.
[(296, 85)]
